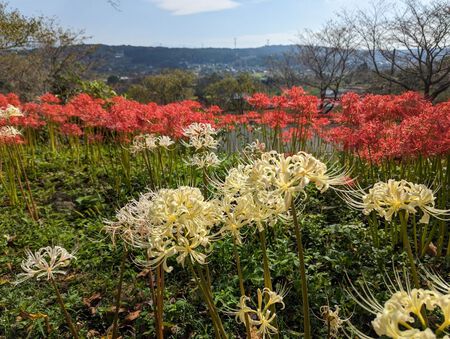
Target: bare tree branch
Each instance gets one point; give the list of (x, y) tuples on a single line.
[(409, 46)]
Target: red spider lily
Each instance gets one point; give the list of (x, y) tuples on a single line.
[(293, 109), (49, 99), (71, 129), (275, 119), (260, 101), (9, 99), (11, 140), (32, 118), (88, 110), (381, 127), (375, 127)]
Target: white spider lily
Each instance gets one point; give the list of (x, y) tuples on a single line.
[(201, 136), (169, 223), (10, 111), (144, 142), (165, 141), (9, 132), (396, 318), (46, 262), (204, 160), (332, 319), (387, 199), (260, 316)]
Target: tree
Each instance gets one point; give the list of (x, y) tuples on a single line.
[(166, 87), (65, 59), (285, 69), (410, 46), (113, 80), (97, 89), (37, 55), (17, 30), (327, 57), (229, 93)]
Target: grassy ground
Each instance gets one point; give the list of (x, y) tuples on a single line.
[(75, 199)]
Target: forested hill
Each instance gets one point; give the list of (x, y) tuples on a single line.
[(125, 59)]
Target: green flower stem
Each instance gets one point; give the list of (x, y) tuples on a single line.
[(304, 283), (416, 245), (207, 288), (218, 327), (407, 248), (160, 302), (21, 167), (115, 326), (148, 165), (237, 259), (154, 299), (63, 308), (448, 247), (267, 276), (205, 182)]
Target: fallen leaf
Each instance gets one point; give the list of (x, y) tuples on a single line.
[(32, 316), (133, 315), (93, 299), (112, 309), (143, 273), (69, 277), (93, 334), (432, 250)]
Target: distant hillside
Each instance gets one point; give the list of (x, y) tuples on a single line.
[(125, 60)]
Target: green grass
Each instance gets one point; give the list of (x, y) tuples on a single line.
[(75, 199)]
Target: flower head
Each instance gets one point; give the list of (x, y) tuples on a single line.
[(204, 160), (46, 262), (406, 308), (255, 149), (131, 222), (164, 141), (332, 319), (387, 199), (268, 185), (249, 185), (237, 214), (10, 111), (169, 222), (260, 314), (144, 142), (10, 135), (293, 173), (201, 136)]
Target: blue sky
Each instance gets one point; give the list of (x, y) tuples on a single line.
[(188, 23)]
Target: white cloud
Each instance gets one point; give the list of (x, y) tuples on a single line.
[(187, 7)]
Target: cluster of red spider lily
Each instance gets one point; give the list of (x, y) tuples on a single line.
[(380, 127), (375, 127), (295, 112), (292, 113), (84, 115)]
